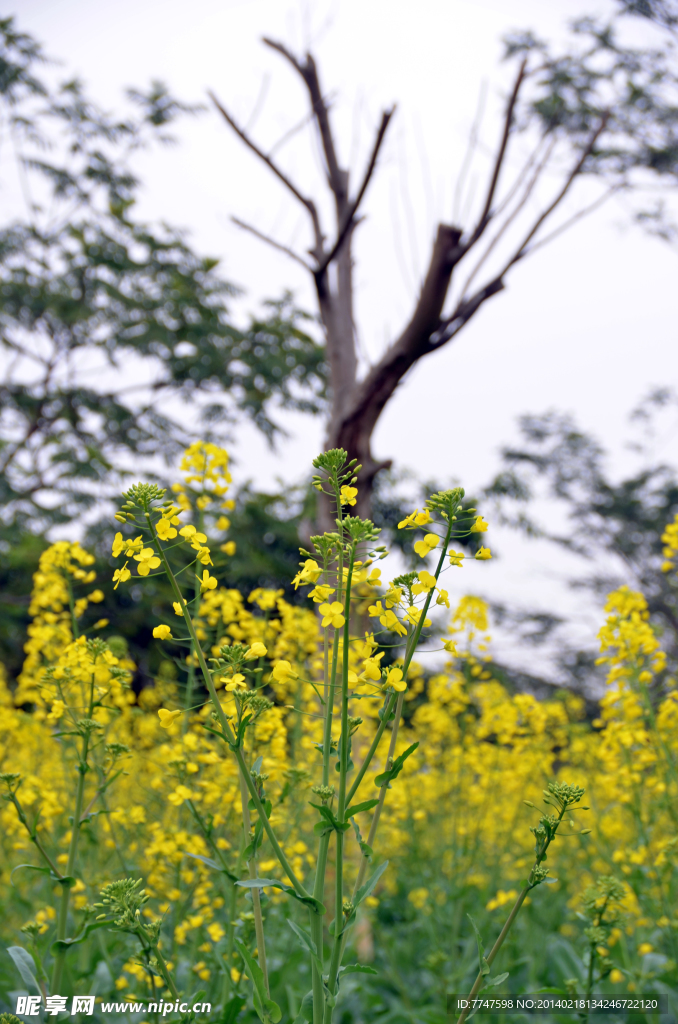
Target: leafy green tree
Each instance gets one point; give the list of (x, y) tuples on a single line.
[(117, 339), (613, 525)]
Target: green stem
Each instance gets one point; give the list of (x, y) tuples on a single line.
[(411, 647), (373, 749), (343, 767), (493, 952), (224, 723), (165, 972), (256, 895), (541, 854), (70, 866), (62, 917), (329, 712), (337, 945), (34, 836), (230, 944), (317, 929)]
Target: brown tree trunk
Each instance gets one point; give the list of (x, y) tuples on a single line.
[(356, 405)]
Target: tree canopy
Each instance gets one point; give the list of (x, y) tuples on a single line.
[(117, 338)]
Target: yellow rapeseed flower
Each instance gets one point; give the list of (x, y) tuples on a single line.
[(348, 495), (425, 547), (332, 614), (207, 582), (257, 650), (168, 718)]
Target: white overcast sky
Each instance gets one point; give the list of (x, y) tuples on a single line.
[(588, 326)]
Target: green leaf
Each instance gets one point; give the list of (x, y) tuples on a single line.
[(25, 964), (369, 885), (483, 965), (265, 1007), (232, 1009), (497, 980), (349, 765), (258, 839), (365, 849), (211, 864), (262, 883), (357, 969), (28, 867), (67, 943), (306, 1009), (303, 936), (332, 821), (366, 805), (242, 726), (396, 768), (325, 812)]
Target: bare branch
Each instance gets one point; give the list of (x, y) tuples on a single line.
[(574, 173), (486, 215), (466, 308), (529, 188), (468, 156), (584, 212), (286, 136), (271, 241), (304, 200), (338, 179), (520, 177), (349, 218)]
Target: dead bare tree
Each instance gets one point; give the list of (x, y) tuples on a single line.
[(357, 402)]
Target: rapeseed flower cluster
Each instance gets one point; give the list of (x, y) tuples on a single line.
[(226, 788)]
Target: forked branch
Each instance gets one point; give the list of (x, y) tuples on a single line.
[(279, 173), (272, 242), (349, 217), (468, 306), (486, 215), (309, 73)]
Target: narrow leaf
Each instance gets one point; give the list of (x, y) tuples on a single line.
[(28, 867), (261, 883), (305, 939), (366, 850), (369, 885), (366, 805), (264, 1006), (306, 1009), (483, 965), (497, 980), (211, 864), (25, 964), (67, 943), (394, 771)]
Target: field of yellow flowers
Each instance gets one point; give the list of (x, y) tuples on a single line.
[(156, 799)]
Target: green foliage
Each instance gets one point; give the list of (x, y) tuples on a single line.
[(104, 317), (630, 90), (614, 525)]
